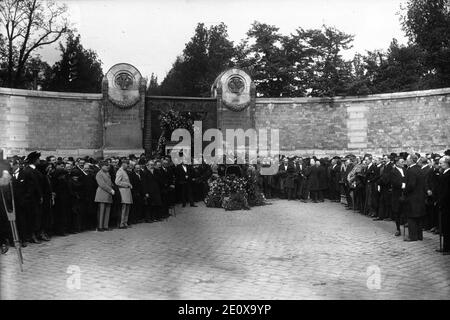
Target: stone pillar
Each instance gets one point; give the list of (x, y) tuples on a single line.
[(123, 110)]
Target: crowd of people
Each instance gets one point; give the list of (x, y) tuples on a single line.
[(61, 196), (412, 190)]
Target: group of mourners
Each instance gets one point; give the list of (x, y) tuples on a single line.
[(61, 196), (412, 190)]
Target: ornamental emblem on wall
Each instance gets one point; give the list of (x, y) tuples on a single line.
[(236, 85), (123, 81), (124, 85)]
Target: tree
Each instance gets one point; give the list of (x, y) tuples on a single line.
[(79, 69), (153, 87), (304, 63), (400, 68), (29, 25), (267, 60), (328, 72), (427, 25), (205, 56)]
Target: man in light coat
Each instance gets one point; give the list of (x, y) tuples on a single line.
[(104, 196), (123, 183)]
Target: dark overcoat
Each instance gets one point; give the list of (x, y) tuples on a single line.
[(312, 173), (396, 181), (322, 176), (151, 185), (415, 192), (444, 193)]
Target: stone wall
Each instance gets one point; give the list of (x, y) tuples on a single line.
[(55, 123), (406, 121), (71, 123)]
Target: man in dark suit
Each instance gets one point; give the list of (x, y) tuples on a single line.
[(184, 175), (427, 169), (312, 172), (167, 184), (63, 204), (370, 179), (335, 172), (90, 187), (299, 179), (135, 176), (33, 195), (377, 196), (152, 192), (415, 195), (281, 177), (434, 186), (386, 187), (398, 185), (287, 176), (444, 203)]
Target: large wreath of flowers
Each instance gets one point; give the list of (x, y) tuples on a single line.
[(170, 121), (234, 193)]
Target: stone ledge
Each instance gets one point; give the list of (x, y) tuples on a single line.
[(50, 94), (341, 99)]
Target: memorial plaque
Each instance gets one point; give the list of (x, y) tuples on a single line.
[(124, 98), (235, 93)]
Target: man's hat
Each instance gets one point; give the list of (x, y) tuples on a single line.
[(447, 152), (403, 155), (33, 156), (393, 155), (76, 173)]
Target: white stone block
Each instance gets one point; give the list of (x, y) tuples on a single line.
[(356, 115), (14, 117), (358, 145), (358, 139), (357, 109)]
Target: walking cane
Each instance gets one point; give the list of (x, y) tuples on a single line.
[(440, 232), (12, 220), (404, 230)]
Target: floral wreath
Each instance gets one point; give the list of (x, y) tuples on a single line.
[(125, 104), (236, 107)]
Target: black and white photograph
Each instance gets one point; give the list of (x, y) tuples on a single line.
[(225, 150)]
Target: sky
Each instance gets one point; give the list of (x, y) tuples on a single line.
[(150, 34)]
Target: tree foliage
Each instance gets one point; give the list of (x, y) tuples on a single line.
[(427, 25), (78, 70), (205, 56), (28, 25)]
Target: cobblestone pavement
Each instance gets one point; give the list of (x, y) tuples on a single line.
[(287, 250)]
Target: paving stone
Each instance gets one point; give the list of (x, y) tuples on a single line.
[(286, 250)]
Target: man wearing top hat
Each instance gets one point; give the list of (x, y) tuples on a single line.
[(444, 203), (398, 185), (32, 195), (335, 172), (184, 175), (415, 194)]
